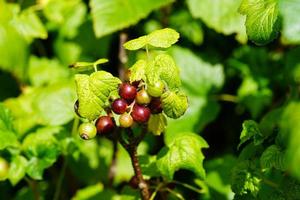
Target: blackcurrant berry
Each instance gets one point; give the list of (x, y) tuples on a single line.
[(155, 106), (119, 106), (76, 108), (105, 124), (125, 120), (87, 131), (156, 89), (4, 169), (140, 114), (142, 97), (127, 91)]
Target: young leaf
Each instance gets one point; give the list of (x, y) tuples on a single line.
[(261, 19), (273, 157), (157, 123), (93, 91), (113, 15), (137, 71), (174, 104), (164, 68), (251, 130), (137, 43), (163, 38), (17, 169), (184, 152)]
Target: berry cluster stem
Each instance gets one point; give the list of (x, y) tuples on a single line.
[(131, 148)]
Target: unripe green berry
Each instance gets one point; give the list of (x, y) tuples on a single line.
[(125, 120), (87, 131), (142, 97), (4, 169)]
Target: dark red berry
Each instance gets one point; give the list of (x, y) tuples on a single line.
[(140, 114), (127, 91), (105, 125), (119, 106), (155, 106)]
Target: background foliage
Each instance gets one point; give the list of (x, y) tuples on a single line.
[(240, 68)]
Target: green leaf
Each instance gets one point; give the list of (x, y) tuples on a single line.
[(29, 25), (174, 104), (290, 22), (273, 157), (90, 192), (17, 169), (222, 16), (183, 152), (261, 19), (12, 46), (54, 104), (148, 166), (107, 17), (43, 71), (251, 131), (157, 123), (93, 91), (8, 136), (66, 16), (289, 135), (163, 38), (137, 71), (42, 149)]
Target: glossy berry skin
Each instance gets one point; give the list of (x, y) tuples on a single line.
[(156, 89), (119, 106), (142, 97), (87, 131), (105, 125), (4, 169), (140, 114), (127, 91), (125, 120), (155, 106)]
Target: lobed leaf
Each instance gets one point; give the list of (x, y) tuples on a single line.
[(93, 91), (183, 152), (273, 157), (261, 19)]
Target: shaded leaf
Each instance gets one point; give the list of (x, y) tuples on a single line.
[(157, 123)]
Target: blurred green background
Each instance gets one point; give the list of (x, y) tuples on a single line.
[(228, 78)]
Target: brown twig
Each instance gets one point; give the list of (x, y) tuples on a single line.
[(131, 148)]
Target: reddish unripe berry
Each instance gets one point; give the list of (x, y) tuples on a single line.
[(105, 124), (140, 114), (142, 97), (155, 106), (125, 120), (127, 91), (119, 106)]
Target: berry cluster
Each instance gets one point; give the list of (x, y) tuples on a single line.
[(135, 104)]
